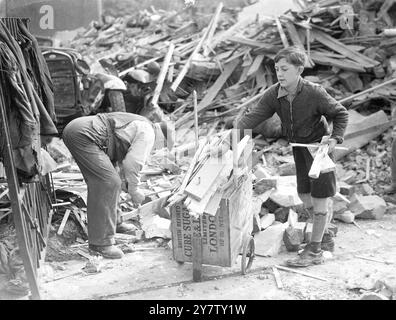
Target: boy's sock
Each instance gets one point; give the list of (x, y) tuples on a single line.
[(319, 225), (315, 246)]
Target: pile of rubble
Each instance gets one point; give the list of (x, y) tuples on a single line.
[(227, 59)]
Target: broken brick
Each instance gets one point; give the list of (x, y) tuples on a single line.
[(346, 189), (293, 237)]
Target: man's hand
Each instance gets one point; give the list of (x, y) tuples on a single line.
[(137, 196)]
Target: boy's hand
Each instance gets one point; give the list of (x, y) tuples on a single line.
[(332, 143)]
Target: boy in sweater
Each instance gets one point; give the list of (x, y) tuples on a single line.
[(305, 110)]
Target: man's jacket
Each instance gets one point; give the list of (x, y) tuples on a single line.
[(127, 139)]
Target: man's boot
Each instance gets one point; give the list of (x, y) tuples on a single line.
[(311, 255), (110, 252)]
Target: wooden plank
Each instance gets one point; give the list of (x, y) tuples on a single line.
[(277, 278), (243, 76), (197, 258), (5, 192), (294, 144), (254, 44), (372, 259), (80, 222), (196, 128), (338, 46), (222, 178), (255, 65), (202, 181), (162, 75), (184, 70), (345, 64), (282, 34), (261, 78), (188, 174), (60, 204), (300, 272), (214, 90), (360, 133), (83, 254), (391, 81), (149, 207), (214, 204), (297, 41), (63, 223), (382, 126), (208, 43), (294, 35)]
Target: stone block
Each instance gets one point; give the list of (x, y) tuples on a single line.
[(267, 220), (282, 214), (347, 217), (264, 185), (339, 206), (367, 190), (269, 241), (261, 173), (367, 207), (271, 205), (287, 169), (293, 237), (292, 218)]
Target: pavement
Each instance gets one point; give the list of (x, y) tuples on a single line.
[(152, 273)]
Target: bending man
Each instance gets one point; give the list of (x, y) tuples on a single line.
[(98, 143)]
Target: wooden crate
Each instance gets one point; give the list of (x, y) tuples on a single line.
[(222, 235)]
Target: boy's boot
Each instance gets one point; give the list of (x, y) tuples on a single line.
[(311, 255), (328, 243)]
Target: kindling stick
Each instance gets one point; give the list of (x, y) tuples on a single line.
[(277, 278), (207, 44), (150, 194), (375, 260), (293, 144), (196, 121), (368, 90), (300, 272)]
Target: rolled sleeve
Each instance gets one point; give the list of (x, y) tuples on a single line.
[(335, 111), (138, 153)]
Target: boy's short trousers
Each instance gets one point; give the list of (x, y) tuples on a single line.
[(323, 187)]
